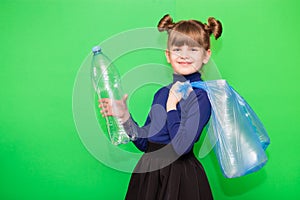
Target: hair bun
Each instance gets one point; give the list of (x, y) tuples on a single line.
[(166, 23), (214, 27)]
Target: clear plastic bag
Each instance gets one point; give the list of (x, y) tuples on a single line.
[(239, 137)]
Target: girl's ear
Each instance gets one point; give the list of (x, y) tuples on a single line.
[(167, 53), (207, 56)]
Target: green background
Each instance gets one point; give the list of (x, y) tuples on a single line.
[(43, 44)]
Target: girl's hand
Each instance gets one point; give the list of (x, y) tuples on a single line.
[(175, 96), (116, 108)]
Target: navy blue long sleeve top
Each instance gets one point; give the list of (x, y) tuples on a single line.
[(181, 127)]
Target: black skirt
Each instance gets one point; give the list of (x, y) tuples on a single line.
[(162, 175)]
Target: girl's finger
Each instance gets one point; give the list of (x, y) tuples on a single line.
[(125, 97), (104, 101)]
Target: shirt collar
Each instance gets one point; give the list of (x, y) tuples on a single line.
[(196, 76)]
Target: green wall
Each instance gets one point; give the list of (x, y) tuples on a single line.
[(44, 43)]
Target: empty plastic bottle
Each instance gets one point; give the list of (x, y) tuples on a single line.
[(107, 84)]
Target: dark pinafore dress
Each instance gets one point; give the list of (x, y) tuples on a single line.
[(182, 179)]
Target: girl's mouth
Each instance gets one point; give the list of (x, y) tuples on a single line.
[(185, 63)]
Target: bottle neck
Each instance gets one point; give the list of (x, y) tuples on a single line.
[(97, 52)]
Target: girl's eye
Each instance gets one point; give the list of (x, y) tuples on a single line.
[(194, 49), (176, 49)]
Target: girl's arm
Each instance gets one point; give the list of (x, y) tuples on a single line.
[(120, 110), (185, 127), (139, 134)]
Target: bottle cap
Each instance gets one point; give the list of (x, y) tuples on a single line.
[(96, 49)]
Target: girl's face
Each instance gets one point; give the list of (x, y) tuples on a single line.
[(186, 60)]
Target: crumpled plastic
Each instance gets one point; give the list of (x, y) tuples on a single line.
[(238, 136)]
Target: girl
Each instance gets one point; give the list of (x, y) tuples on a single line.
[(169, 169)]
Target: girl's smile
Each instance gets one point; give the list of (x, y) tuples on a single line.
[(184, 63)]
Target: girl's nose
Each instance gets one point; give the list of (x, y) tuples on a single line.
[(184, 55)]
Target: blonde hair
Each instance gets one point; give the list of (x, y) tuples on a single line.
[(190, 32)]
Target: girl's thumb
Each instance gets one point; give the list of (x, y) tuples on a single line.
[(125, 97)]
